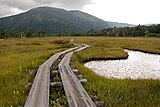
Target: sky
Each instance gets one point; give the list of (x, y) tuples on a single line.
[(126, 11)]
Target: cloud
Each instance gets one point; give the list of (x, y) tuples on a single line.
[(6, 10), (19, 4), (9, 7), (69, 4)]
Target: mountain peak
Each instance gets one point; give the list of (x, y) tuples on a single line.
[(46, 8)]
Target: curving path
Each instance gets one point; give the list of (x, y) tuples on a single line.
[(76, 94)]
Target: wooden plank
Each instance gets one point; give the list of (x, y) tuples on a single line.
[(39, 92), (76, 94)]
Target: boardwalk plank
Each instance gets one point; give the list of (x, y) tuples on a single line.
[(39, 92), (76, 94)]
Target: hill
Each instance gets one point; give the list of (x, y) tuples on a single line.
[(55, 20)]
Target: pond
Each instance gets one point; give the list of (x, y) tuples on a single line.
[(138, 65)]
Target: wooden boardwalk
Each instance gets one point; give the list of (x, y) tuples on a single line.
[(76, 94), (39, 92)]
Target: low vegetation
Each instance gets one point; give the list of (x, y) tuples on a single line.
[(137, 31), (18, 59), (117, 92)]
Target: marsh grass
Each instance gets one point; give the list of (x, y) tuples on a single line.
[(118, 92), (19, 56), (17, 59)]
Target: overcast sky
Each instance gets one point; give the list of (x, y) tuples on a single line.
[(127, 11)]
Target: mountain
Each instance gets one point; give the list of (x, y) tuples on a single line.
[(116, 24), (55, 20)]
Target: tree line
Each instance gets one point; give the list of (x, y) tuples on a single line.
[(23, 34), (140, 30)]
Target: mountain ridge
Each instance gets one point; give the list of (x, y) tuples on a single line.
[(55, 20)]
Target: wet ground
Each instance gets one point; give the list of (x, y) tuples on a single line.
[(139, 65)]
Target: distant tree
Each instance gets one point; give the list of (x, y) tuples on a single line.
[(3, 33), (28, 33), (21, 34), (41, 33)]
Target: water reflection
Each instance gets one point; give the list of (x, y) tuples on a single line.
[(139, 65)]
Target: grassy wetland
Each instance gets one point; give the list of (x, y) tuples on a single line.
[(118, 92), (18, 58)]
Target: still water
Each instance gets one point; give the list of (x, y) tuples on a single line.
[(139, 65)]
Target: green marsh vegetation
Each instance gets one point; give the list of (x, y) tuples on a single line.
[(117, 92), (18, 58)]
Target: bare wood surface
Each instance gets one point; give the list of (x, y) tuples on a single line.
[(76, 94), (39, 92)]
